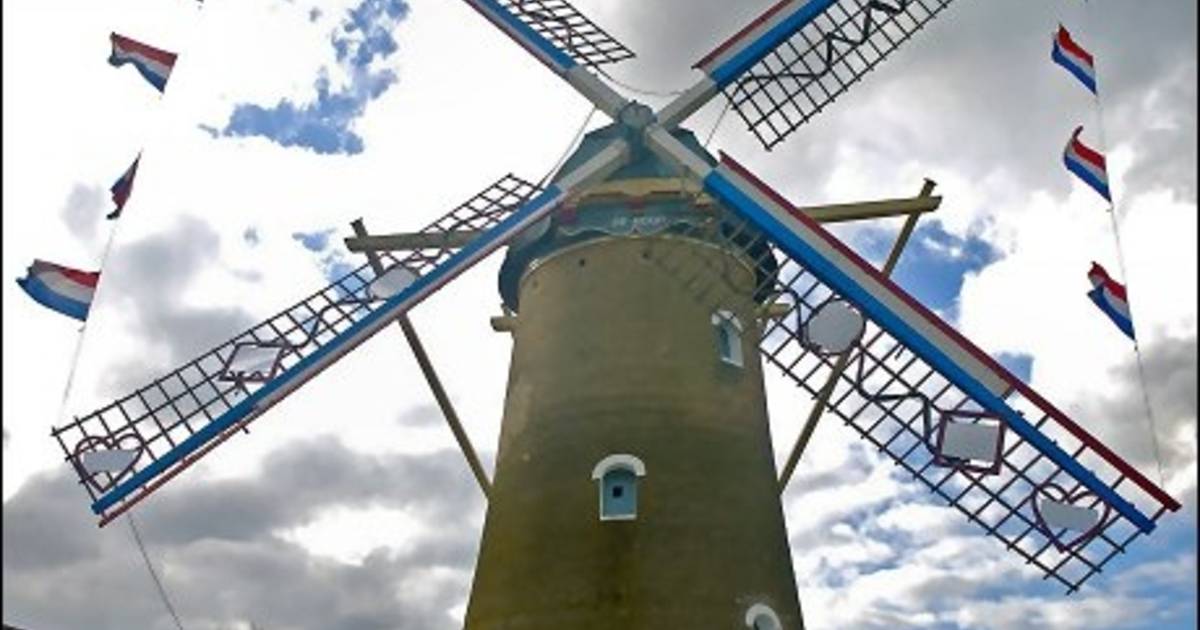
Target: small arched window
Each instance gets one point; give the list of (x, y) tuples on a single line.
[(729, 337), (761, 617), (617, 478)]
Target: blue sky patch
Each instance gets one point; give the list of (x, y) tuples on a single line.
[(315, 242), (325, 124), (335, 267), (933, 264), (1163, 568), (332, 260), (1019, 363)]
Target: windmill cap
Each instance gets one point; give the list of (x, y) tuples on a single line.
[(645, 196)]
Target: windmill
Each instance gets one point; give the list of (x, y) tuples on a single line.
[(634, 482)]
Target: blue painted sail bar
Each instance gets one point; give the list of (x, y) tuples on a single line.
[(294, 377), (749, 53), (724, 185)]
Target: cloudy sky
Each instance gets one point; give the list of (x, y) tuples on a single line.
[(347, 506)]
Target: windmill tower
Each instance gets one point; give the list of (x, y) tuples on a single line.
[(635, 429), (634, 484)]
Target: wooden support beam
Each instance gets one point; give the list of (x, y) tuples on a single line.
[(909, 225), (840, 212), (407, 242), (431, 377), (814, 415), (832, 213)]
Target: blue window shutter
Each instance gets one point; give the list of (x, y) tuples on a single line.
[(618, 494)]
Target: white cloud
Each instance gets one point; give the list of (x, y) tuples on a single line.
[(1030, 612), (349, 535)]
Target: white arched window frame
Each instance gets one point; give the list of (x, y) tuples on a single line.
[(761, 617), (616, 477), (729, 337)]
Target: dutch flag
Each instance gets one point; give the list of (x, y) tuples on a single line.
[(1110, 296), (1087, 164), (1074, 58), (122, 188), (154, 65), (58, 288)]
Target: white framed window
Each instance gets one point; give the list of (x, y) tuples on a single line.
[(729, 337), (617, 479), (761, 617)]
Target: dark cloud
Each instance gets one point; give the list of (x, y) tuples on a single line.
[(1120, 416), (218, 548), (42, 525), (150, 278), (669, 36), (83, 211), (324, 125), (309, 476), (1146, 52), (1163, 125)]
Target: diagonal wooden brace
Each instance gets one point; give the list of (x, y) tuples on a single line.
[(431, 377), (814, 415)]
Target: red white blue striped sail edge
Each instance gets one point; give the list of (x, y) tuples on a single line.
[(758, 38), (62, 289), (287, 382), (153, 64), (1087, 164), (146, 479), (1074, 58), (122, 188), (1109, 295), (957, 359)]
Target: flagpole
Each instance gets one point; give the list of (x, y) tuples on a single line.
[(79, 341), (62, 405), (1116, 231)]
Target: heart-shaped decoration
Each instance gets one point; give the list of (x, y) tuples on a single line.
[(90, 444), (1057, 493)]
